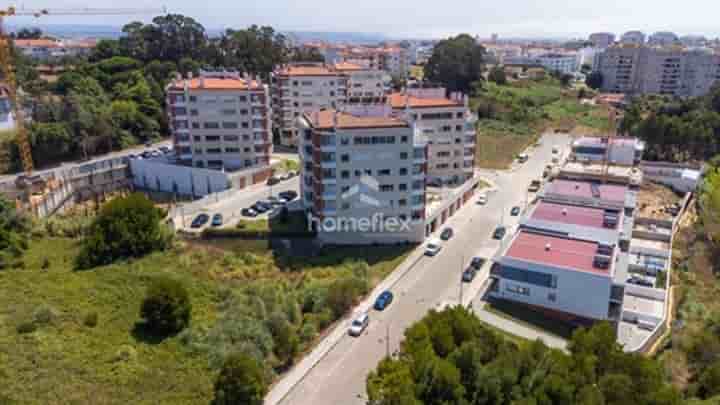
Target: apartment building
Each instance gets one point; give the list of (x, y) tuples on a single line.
[(220, 120), (449, 127), (602, 39), (307, 87), (553, 62), (362, 176), (663, 38), (46, 49), (393, 60), (638, 70)]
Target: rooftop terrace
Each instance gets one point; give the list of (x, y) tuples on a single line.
[(571, 214)]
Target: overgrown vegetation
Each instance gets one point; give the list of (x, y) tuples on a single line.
[(14, 230), (512, 116), (456, 63), (74, 334), (126, 227), (676, 129), (450, 357)]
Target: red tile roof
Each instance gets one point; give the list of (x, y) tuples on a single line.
[(26, 43), (324, 120), (571, 188), (570, 214), (569, 254), (398, 100), (306, 70), (215, 83)]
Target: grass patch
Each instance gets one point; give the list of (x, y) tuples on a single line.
[(287, 165), (77, 340), (530, 318)]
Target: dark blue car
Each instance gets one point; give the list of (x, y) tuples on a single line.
[(383, 300)]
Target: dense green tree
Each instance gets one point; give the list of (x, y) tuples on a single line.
[(497, 75), (125, 227), (241, 381), (304, 54), (391, 384), (594, 80), (14, 229), (456, 63), (255, 50), (28, 33), (166, 307), (50, 142)]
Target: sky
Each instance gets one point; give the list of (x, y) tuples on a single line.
[(426, 18)]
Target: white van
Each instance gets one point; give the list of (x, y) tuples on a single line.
[(359, 324), (433, 247)]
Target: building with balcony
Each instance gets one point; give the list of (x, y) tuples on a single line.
[(622, 151), (602, 39), (677, 71), (663, 38), (308, 87), (220, 120), (362, 176), (449, 127), (633, 38)]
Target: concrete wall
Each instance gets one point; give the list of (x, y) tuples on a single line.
[(158, 176)]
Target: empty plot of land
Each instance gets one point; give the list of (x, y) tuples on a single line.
[(656, 201)]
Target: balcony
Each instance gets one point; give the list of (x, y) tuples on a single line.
[(330, 195)]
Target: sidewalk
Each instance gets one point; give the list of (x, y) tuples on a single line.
[(283, 387)]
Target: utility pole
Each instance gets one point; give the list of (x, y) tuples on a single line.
[(462, 263)]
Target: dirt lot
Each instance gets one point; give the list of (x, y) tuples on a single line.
[(655, 199)]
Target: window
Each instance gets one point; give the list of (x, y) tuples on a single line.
[(192, 99), (368, 172), (232, 150), (211, 125), (229, 125), (193, 112), (518, 290), (529, 277), (402, 202), (212, 138), (358, 173), (384, 172), (243, 112), (229, 111), (438, 116), (458, 128), (345, 174), (403, 155), (459, 115), (385, 188), (552, 297), (345, 158), (246, 125), (213, 150), (197, 138), (246, 137), (403, 171), (196, 125), (402, 187), (242, 99)]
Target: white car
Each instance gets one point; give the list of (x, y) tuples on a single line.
[(359, 324), (433, 247), (482, 200)]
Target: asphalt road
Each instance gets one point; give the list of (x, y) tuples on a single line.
[(339, 377)]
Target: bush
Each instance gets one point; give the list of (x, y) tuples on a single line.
[(126, 227), (166, 307), (91, 320), (241, 381), (43, 316)]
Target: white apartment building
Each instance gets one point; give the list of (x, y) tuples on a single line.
[(307, 87), (602, 39), (633, 38), (637, 70), (557, 62), (449, 127), (220, 120), (362, 174)]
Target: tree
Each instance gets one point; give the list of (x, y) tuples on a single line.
[(166, 308), (594, 80), (29, 33), (306, 54), (497, 76), (241, 381), (456, 63), (566, 79), (256, 50), (391, 384), (14, 229), (709, 381), (126, 227)]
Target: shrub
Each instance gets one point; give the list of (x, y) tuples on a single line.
[(241, 381), (26, 327), (166, 307), (91, 319), (43, 316), (126, 227)]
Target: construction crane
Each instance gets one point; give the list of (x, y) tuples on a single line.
[(612, 133), (8, 71)]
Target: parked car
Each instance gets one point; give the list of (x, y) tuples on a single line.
[(499, 233), (469, 274), (200, 220), (359, 324), (523, 157), (446, 234), (515, 211), (146, 154), (249, 212), (276, 201), (477, 262), (165, 149), (482, 200), (261, 207), (534, 186), (273, 180), (288, 195), (291, 174), (433, 247), (383, 300), (155, 154), (217, 220)]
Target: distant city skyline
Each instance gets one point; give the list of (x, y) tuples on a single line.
[(413, 19)]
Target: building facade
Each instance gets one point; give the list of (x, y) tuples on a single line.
[(633, 38), (220, 120), (663, 38), (638, 70), (308, 87), (362, 176), (602, 39), (448, 126)]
